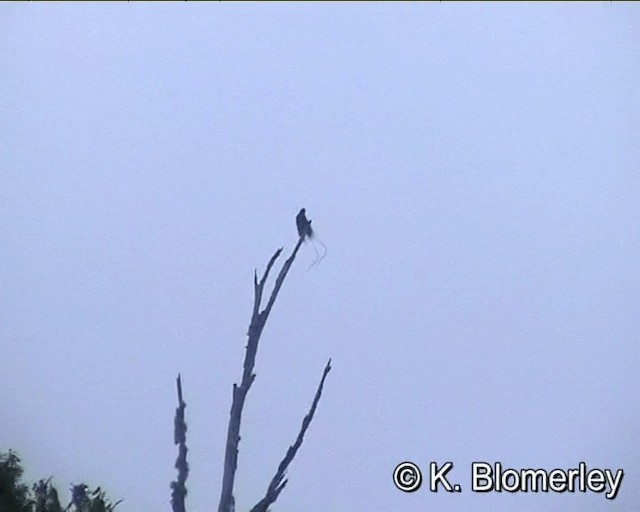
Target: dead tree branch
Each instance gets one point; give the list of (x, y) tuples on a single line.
[(278, 482), (258, 320), (178, 488)]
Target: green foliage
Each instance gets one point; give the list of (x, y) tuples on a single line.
[(85, 500), (16, 496), (46, 497)]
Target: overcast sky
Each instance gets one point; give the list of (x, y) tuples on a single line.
[(473, 171)]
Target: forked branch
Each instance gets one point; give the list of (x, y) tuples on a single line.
[(258, 320)]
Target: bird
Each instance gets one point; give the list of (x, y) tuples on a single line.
[(303, 224)]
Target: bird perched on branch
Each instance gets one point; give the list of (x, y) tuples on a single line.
[(305, 231), (303, 224)]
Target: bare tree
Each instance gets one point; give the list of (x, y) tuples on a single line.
[(258, 320)]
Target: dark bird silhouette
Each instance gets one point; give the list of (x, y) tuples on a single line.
[(303, 224), (304, 230)]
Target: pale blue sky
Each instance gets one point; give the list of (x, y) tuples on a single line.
[(472, 169)]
